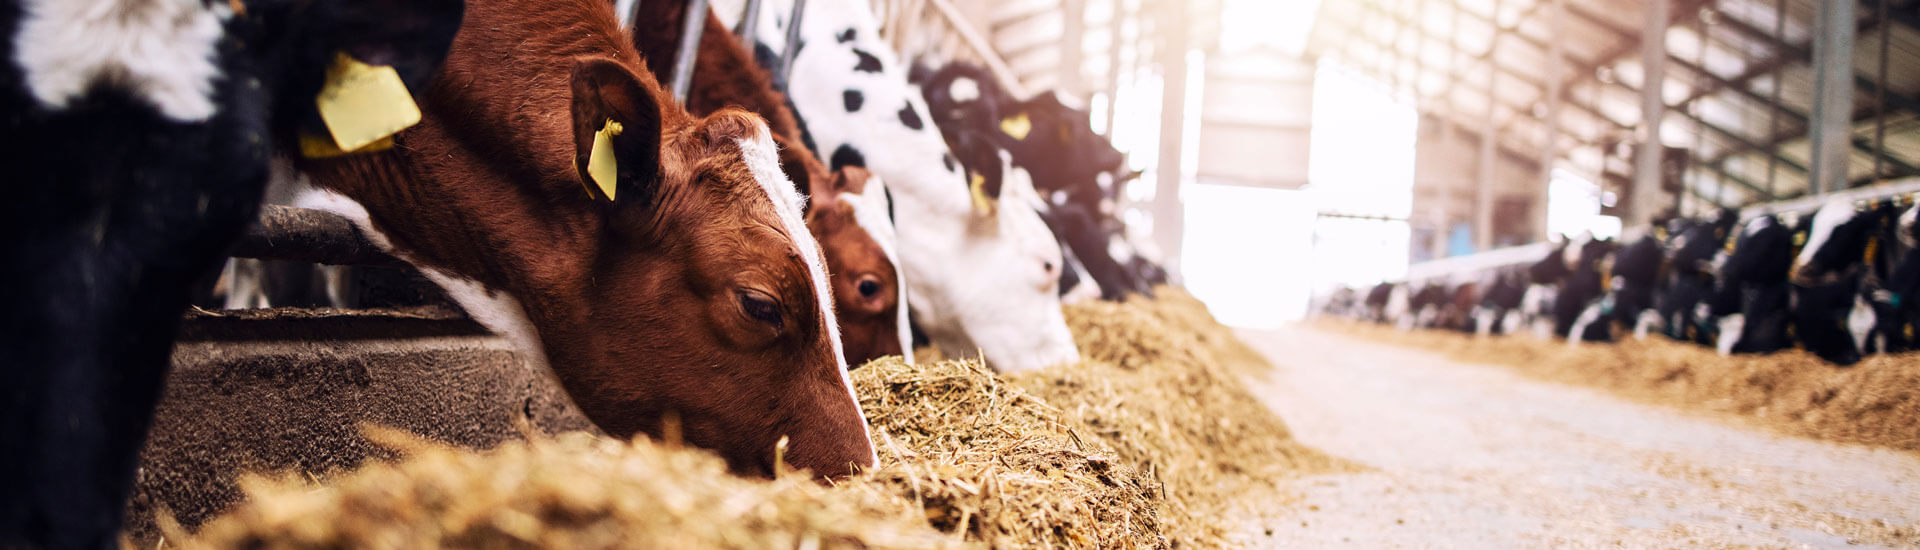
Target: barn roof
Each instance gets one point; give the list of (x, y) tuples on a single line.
[(1739, 82)]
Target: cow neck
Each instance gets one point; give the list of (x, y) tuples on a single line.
[(485, 187)]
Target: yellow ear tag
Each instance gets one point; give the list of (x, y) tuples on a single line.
[(363, 104), (1017, 126), (978, 187), (602, 165), (316, 147)]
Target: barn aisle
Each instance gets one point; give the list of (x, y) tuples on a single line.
[(1473, 456)]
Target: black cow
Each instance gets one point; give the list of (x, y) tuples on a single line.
[(1636, 281), (1752, 294), (1578, 311), (1895, 301), (1503, 298), (1376, 302), (139, 145), (1832, 318), (1690, 277)]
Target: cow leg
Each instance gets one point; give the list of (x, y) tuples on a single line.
[(89, 358)]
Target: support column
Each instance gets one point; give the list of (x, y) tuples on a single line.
[(1653, 109), (1073, 17), (1549, 150), (1168, 208), (1114, 42), (1832, 124), (1483, 194)]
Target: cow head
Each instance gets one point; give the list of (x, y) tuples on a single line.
[(981, 270), (710, 299), (1837, 243), (847, 213), (657, 261)]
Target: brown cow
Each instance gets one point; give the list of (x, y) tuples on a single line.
[(694, 295), (864, 273)]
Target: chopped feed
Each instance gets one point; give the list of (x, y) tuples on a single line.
[(1151, 442), (1875, 402)]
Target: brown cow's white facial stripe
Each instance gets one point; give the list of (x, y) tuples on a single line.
[(870, 212), (763, 160)]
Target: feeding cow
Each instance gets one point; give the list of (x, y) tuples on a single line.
[(1499, 309), (1636, 279), (1075, 170), (140, 138), (1579, 311), (1831, 316), (1753, 296), (846, 209), (1683, 305), (982, 272), (1894, 302), (657, 262)]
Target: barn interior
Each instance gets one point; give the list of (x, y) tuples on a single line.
[(1349, 343)]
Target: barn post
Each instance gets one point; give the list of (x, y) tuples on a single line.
[(1073, 16), (1831, 124), (1549, 150), (1168, 207), (793, 41), (694, 25), (1483, 194), (1653, 109), (749, 22), (1114, 50)]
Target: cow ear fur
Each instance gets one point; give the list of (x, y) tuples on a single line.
[(605, 91)]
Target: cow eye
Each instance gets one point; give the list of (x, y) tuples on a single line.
[(761, 308), (869, 287)]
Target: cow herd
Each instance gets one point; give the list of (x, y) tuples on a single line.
[(712, 266), (1839, 282)]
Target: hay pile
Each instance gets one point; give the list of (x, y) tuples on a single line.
[(1149, 443), (574, 491), (1875, 402), (1161, 384)]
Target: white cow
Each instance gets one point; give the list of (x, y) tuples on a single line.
[(982, 277)]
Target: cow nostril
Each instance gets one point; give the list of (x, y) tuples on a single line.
[(869, 287)]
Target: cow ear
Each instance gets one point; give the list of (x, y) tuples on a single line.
[(411, 37), (616, 132), (851, 180)]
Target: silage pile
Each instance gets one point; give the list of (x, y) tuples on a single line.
[(1149, 443), (1875, 402)]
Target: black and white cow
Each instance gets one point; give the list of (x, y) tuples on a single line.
[(1636, 281), (1832, 317), (1752, 295), (1682, 306), (140, 134), (1375, 302), (982, 275), (1580, 313), (1074, 169), (1896, 302), (1499, 310)]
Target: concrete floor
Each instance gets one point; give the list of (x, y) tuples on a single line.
[(1471, 456)]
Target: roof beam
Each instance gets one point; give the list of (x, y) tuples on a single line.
[(1801, 53)]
